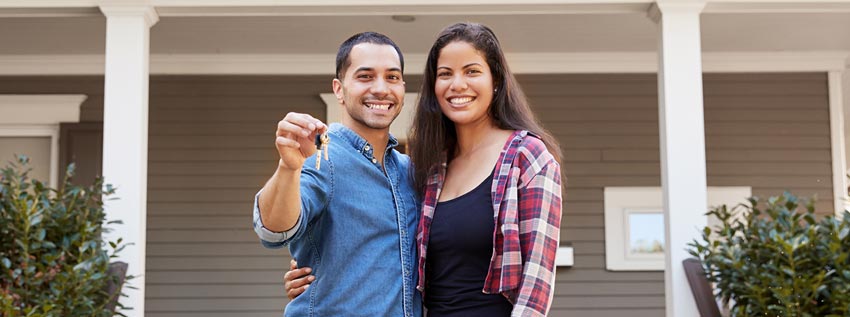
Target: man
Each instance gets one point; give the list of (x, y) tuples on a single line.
[(355, 214)]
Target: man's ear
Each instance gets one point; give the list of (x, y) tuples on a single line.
[(337, 86)]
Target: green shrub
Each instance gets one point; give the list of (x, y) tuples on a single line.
[(53, 261), (779, 260)]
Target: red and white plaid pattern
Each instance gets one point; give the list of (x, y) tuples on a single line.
[(526, 196)]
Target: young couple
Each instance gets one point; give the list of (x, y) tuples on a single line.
[(468, 225)]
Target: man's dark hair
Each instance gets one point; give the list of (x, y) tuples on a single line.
[(342, 60)]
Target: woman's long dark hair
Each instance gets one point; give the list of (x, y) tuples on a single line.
[(434, 134)]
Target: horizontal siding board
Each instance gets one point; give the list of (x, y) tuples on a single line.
[(765, 128), (212, 142), (769, 155), (244, 234), (558, 102), (602, 181), (203, 278), (581, 156), (571, 221), (603, 302), (626, 155), (604, 288), (208, 181), (587, 247), (218, 263), (182, 249), (775, 169), (200, 208), (205, 313), (773, 115), (797, 102), (607, 128), (191, 168), (576, 194), (598, 312), (582, 234), (191, 222), (579, 275), (212, 155), (585, 115), (216, 291), (235, 305), (583, 208)]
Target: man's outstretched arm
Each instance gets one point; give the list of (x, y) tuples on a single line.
[(280, 199)]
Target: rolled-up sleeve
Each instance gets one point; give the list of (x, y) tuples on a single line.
[(271, 239), (316, 192)]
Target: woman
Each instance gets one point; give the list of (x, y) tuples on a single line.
[(489, 176), (495, 175)]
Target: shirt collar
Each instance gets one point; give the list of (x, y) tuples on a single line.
[(356, 141)]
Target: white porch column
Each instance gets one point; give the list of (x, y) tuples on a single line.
[(125, 136), (836, 123), (682, 134)]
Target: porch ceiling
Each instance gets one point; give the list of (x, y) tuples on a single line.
[(552, 33)]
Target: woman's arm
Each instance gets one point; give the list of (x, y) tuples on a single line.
[(539, 216)]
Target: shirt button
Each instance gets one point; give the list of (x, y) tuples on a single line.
[(375, 161), (366, 148)]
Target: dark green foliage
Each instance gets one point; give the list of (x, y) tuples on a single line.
[(779, 260), (53, 261)]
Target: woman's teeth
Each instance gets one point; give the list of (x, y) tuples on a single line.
[(459, 101)]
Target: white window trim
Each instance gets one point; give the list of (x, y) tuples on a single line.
[(39, 116), (620, 201)]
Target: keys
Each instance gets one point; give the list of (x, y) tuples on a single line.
[(322, 143)]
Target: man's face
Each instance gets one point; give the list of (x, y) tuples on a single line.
[(372, 89)]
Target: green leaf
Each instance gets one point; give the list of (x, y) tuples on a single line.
[(6, 263)]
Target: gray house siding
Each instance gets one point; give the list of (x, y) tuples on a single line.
[(210, 150), (768, 131)]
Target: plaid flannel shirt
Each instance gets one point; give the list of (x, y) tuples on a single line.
[(526, 201)]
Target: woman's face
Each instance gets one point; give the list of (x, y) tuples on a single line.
[(464, 86)]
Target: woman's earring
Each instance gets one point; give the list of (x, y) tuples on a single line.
[(495, 89)]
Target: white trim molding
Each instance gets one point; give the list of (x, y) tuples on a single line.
[(521, 63), (39, 116), (40, 109), (230, 8), (839, 155)]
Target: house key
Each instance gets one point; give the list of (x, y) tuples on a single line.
[(322, 143)]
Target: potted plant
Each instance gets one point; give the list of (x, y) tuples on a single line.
[(779, 259), (53, 259)]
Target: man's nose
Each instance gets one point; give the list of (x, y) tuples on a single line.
[(380, 87)]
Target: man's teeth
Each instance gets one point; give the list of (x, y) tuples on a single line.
[(458, 101), (379, 107)]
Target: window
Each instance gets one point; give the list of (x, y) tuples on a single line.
[(634, 224), (30, 125)]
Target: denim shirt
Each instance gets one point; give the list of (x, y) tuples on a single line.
[(356, 230)]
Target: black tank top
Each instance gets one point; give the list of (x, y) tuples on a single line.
[(459, 251)]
